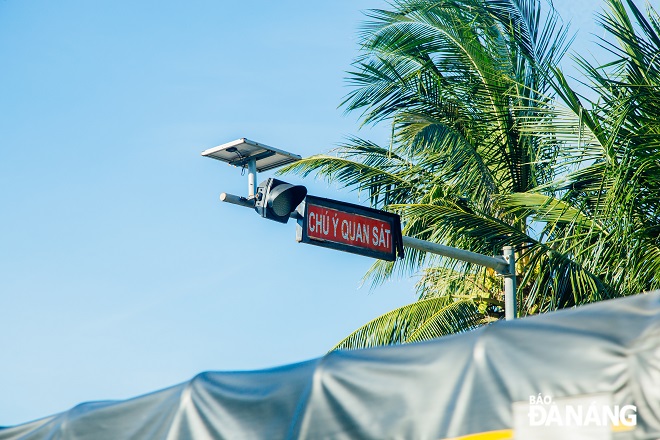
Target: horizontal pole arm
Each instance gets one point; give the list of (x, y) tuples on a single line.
[(236, 200), (499, 264), (248, 203)]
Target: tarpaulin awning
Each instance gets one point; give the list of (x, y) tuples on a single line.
[(590, 372)]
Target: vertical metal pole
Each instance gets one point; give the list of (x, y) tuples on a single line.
[(252, 177), (510, 300)]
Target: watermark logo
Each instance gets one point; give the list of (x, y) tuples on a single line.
[(584, 417), (581, 412)]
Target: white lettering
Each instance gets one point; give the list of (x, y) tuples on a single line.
[(344, 229), (318, 224), (310, 223), (543, 411), (351, 231), (611, 413), (326, 224), (574, 415), (592, 416), (537, 415), (553, 416), (358, 232), (628, 419)]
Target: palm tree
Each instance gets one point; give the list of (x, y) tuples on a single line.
[(604, 212), (482, 155)]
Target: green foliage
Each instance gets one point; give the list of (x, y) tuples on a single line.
[(419, 321), (491, 146), (603, 211)]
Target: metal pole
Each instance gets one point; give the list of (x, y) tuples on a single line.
[(500, 264), (252, 177), (248, 203), (510, 297), (236, 200), (504, 265)]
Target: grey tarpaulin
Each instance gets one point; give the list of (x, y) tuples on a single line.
[(471, 384)]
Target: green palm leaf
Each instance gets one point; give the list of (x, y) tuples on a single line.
[(421, 320), (491, 146)]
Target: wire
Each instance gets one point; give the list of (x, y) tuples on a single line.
[(241, 157)]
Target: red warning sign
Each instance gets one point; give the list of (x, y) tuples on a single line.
[(351, 228)]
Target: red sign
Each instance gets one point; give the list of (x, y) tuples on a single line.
[(351, 228)]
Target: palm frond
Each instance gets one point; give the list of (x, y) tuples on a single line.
[(491, 146), (421, 320)]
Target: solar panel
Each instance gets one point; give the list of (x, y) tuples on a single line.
[(241, 151)]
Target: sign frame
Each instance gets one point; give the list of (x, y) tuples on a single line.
[(393, 220)]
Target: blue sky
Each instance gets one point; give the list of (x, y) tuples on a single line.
[(120, 270)]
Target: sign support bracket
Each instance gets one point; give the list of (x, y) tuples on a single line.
[(504, 265), (252, 176)]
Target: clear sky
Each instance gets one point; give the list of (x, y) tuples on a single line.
[(120, 270)]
